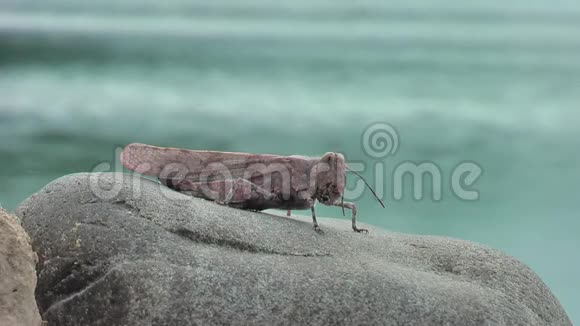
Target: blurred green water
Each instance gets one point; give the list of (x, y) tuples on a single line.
[(495, 83)]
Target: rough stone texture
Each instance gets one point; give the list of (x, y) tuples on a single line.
[(149, 256), (17, 274)]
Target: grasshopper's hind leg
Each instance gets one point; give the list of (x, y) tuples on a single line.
[(239, 193), (246, 195)]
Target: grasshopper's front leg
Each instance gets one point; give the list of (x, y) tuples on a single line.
[(314, 222), (352, 207)]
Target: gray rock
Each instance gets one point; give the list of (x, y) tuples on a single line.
[(120, 250), (17, 275)]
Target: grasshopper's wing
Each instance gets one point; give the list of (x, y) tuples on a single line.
[(177, 164)]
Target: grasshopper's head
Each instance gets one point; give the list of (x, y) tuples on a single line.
[(330, 178)]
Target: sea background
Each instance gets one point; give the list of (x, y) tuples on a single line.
[(496, 83)]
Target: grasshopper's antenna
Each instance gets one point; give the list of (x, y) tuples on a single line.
[(368, 186)]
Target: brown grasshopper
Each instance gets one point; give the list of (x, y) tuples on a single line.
[(248, 181)]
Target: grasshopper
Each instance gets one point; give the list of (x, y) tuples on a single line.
[(248, 181)]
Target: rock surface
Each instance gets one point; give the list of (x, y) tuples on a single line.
[(120, 250), (17, 274)]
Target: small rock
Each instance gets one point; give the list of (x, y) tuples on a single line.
[(17, 275), (121, 250)]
